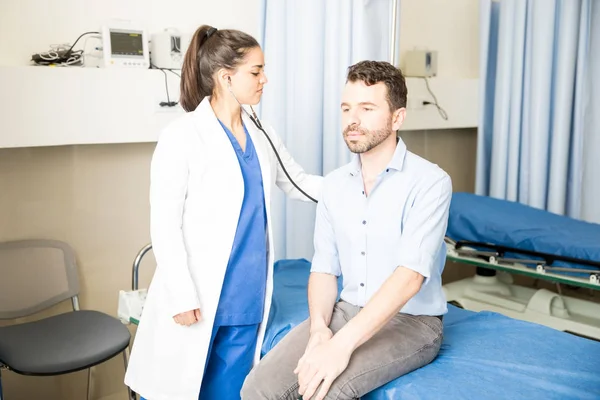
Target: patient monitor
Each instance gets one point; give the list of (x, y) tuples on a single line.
[(167, 48), (125, 44)]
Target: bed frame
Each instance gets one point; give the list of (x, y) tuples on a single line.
[(492, 288)]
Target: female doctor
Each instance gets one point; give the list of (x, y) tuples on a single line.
[(212, 175)]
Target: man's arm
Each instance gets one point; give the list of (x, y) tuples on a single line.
[(396, 291), (325, 268), (322, 285), (322, 293)]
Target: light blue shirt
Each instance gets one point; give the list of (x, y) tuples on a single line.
[(402, 222)]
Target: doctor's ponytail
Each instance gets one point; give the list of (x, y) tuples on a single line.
[(210, 50)]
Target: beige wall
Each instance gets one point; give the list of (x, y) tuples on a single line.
[(449, 27), (96, 199), (454, 150)]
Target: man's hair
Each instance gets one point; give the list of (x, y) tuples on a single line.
[(373, 72)]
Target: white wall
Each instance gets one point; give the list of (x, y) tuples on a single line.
[(129, 97), (449, 26), (30, 26)]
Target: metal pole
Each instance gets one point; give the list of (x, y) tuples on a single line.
[(130, 392), (393, 30), (90, 384), (136, 266), (75, 302)]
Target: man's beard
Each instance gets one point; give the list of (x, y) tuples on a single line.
[(373, 138)]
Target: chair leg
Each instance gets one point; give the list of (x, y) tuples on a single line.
[(90, 384), (131, 393)]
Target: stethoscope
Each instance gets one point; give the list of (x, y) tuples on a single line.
[(254, 118)]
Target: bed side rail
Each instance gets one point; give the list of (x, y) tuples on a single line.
[(499, 251), (534, 264)]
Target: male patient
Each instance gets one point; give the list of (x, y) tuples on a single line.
[(380, 223)]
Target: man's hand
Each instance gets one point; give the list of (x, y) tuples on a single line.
[(317, 337), (324, 363), (188, 318)]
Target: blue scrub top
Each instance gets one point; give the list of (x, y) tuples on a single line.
[(243, 293)]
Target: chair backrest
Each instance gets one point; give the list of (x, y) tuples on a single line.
[(35, 275)]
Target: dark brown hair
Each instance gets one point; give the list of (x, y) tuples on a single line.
[(210, 50), (373, 72)]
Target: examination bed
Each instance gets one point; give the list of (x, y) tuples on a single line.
[(501, 238), (484, 355)]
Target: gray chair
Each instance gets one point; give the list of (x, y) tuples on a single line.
[(35, 275)]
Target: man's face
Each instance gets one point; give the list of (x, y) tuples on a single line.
[(366, 116)]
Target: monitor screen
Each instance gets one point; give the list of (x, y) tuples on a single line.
[(126, 43)]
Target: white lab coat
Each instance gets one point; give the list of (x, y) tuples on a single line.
[(196, 196)]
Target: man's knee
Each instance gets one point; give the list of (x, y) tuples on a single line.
[(251, 389), (260, 385), (273, 377)]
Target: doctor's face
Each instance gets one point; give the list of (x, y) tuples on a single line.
[(366, 116), (249, 78)]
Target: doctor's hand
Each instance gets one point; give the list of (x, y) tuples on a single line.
[(322, 365), (188, 318)]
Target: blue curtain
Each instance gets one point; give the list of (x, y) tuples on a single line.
[(308, 47), (534, 91), (590, 160)]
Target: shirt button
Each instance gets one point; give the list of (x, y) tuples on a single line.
[(362, 253), (364, 222), (362, 284)]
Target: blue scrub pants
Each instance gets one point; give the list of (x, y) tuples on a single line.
[(229, 361)]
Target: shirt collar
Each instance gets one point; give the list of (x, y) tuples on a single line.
[(396, 162)]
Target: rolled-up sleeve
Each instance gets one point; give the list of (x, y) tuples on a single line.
[(425, 227), (325, 259)]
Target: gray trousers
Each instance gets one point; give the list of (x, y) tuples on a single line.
[(404, 344)]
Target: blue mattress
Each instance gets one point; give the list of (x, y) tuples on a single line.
[(485, 219), (483, 356)]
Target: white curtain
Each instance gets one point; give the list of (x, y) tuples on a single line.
[(534, 91), (308, 46)]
